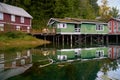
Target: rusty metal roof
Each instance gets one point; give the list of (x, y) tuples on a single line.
[(5, 8)]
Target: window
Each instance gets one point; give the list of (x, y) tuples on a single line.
[(77, 28), (1, 27), (1, 16), (100, 53), (28, 29), (99, 27), (22, 20), (62, 25), (18, 28), (13, 18)]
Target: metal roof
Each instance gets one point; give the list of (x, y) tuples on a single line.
[(74, 20), (5, 8)]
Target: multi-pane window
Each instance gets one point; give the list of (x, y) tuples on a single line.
[(13, 18), (1, 16), (99, 27), (18, 28), (1, 27), (77, 28), (62, 25), (22, 20), (100, 53)]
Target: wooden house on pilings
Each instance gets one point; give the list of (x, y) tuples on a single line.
[(78, 31)]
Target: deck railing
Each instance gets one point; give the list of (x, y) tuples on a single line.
[(44, 31)]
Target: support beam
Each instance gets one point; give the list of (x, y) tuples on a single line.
[(71, 40)]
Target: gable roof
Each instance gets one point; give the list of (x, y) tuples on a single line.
[(116, 19), (72, 20), (5, 8)]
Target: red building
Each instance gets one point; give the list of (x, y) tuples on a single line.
[(14, 18), (114, 26)]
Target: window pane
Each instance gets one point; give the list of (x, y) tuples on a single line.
[(13, 18), (22, 19), (1, 16)]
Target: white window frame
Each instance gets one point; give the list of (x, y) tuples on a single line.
[(99, 27), (22, 20), (61, 25), (1, 27), (1, 16), (13, 18), (18, 28), (101, 53)]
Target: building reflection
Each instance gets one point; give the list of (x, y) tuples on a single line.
[(12, 64)]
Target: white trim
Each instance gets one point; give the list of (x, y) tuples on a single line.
[(15, 24), (68, 33), (78, 33)]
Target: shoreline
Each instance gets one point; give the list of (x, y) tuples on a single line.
[(21, 43)]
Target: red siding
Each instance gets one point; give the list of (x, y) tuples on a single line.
[(7, 22), (112, 23)]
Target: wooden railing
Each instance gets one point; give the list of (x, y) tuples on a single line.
[(44, 31)]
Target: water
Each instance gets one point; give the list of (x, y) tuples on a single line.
[(50, 62)]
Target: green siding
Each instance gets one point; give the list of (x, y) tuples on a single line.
[(70, 54), (70, 28), (91, 53), (86, 28), (91, 29)]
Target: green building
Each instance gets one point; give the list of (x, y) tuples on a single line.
[(82, 53), (77, 26)]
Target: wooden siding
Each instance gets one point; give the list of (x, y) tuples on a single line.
[(11, 26), (91, 29), (114, 26), (85, 28)]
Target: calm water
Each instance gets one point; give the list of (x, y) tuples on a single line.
[(61, 63)]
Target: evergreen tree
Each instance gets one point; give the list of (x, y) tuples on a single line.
[(114, 12)]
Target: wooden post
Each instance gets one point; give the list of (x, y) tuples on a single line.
[(102, 39), (98, 39), (107, 40), (116, 39), (91, 39), (53, 39), (85, 39), (67, 40), (63, 40), (71, 40)]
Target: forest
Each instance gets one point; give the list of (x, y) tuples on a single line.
[(43, 10)]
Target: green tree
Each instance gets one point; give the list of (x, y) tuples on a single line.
[(114, 12), (104, 11)]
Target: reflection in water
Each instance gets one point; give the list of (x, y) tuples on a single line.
[(12, 64), (97, 63)]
